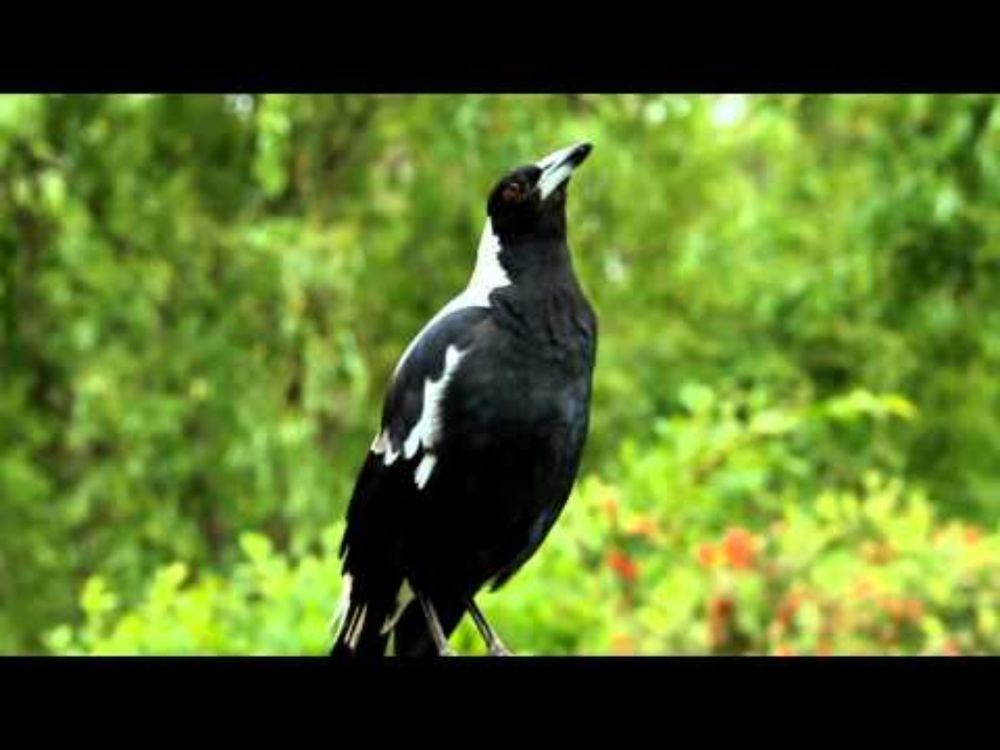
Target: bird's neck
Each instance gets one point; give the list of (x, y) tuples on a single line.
[(488, 274), (530, 260), (533, 290)]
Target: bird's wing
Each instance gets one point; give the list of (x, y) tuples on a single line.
[(399, 465), (402, 456)]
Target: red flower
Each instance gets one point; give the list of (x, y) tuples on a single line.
[(623, 565), (739, 547)]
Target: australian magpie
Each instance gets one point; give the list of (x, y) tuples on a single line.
[(482, 429)]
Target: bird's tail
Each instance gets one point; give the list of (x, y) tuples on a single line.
[(360, 635), (365, 631), (360, 629)]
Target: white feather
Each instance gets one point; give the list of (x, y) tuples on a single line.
[(486, 276), (357, 624), (337, 621), (424, 469), (425, 431)]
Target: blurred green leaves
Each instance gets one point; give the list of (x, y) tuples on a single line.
[(865, 569), (201, 299)]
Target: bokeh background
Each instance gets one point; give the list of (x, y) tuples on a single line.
[(796, 428)]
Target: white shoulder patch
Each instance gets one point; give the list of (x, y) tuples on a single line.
[(424, 469), (382, 444), (427, 429)]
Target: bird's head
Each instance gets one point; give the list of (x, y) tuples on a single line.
[(530, 201)]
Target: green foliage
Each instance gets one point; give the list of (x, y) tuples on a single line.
[(774, 568), (267, 604), (201, 299)]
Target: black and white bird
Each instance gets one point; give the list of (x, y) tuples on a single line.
[(482, 430)]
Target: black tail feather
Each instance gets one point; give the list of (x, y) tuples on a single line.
[(370, 643)]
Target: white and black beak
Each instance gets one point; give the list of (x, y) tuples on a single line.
[(558, 166)]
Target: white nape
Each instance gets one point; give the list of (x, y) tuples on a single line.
[(486, 276)]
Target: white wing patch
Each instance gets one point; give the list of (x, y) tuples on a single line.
[(424, 470), (426, 430), (382, 444), (488, 275)]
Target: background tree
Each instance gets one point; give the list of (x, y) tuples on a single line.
[(201, 296)]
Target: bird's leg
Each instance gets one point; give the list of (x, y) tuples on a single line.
[(434, 625), (493, 642)]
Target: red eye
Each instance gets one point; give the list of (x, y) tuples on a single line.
[(512, 192)]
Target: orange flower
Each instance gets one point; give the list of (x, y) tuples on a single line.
[(783, 650), (739, 547), (972, 535), (623, 565), (950, 648), (708, 555)]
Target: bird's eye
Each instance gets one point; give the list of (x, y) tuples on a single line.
[(512, 192)]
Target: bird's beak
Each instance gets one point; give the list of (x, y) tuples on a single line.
[(558, 166)]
